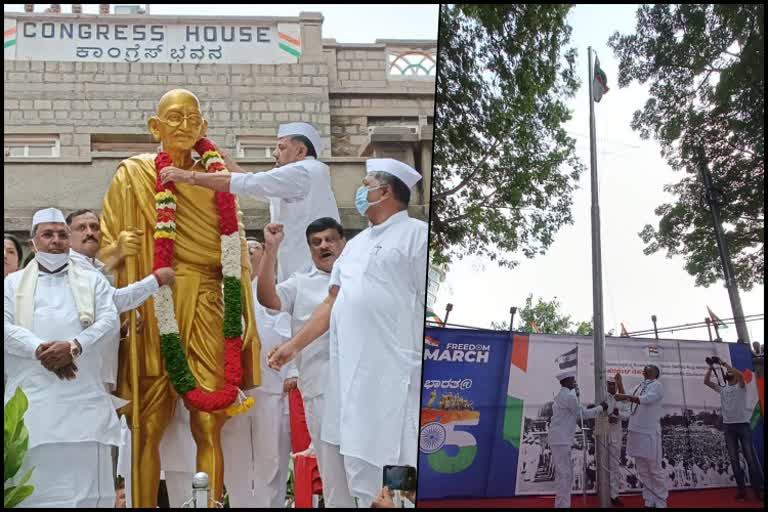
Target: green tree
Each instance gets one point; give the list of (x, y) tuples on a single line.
[(504, 167), (548, 317), (704, 64)]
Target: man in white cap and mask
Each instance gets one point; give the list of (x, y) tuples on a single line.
[(299, 190), (56, 315), (644, 436), (375, 311), (566, 413), (617, 412)]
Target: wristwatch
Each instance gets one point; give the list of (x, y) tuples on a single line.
[(74, 350)]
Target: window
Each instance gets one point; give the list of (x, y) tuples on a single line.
[(31, 146), (251, 146), (128, 143)]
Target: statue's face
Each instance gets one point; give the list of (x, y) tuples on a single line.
[(178, 123)]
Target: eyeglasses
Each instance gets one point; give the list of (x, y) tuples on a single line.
[(175, 119)]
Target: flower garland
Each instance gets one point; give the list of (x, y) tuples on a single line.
[(170, 341)]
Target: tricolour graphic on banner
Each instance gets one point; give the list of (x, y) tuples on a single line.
[(487, 403)]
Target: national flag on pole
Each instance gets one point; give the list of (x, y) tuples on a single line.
[(568, 360), (599, 82), (715, 320), (535, 327), (432, 317), (624, 333)]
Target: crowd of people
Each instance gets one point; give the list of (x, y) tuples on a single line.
[(309, 297), (667, 456)]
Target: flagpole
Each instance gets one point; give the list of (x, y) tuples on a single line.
[(598, 331)]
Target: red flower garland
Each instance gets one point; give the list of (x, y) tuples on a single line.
[(164, 249)]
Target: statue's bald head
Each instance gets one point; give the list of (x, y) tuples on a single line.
[(176, 97)]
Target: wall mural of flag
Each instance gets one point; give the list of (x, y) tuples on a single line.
[(486, 405), (289, 38)]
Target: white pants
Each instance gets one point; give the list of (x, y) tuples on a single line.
[(257, 449), (179, 487), (561, 457), (69, 475), (646, 449), (365, 480), (614, 454), (329, 460)]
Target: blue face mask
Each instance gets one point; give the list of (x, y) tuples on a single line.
[(361, 199)]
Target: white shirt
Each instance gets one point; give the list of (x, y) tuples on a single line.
[(61, 411), (733, 404), (125, 299), (614, 429), (565, 416), (377, 324), (273, 330), (647, 415), (299, 296), (298, 193)]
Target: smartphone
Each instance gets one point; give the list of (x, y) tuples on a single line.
[(400, 478)]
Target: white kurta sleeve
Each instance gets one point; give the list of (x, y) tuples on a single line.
[(287, 291), (107, 321), (17, 340), (419, 267), (291, 370), (286, 182), (653, 393), (135, 294)]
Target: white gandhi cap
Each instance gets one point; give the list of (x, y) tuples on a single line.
[(565, 374), (47, 215), (396, 168), (610, 379), (305, 129)]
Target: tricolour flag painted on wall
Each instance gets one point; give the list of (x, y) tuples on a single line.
[(599, 82)]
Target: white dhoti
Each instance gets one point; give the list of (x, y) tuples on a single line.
[(646, 449), (329, 460), (69, 475), (561, 457), (614, 454), (257, 448), (177, 458)]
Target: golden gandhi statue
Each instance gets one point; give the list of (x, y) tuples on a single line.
[(197, 294)]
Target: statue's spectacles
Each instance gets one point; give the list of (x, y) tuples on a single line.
[(175, 119)]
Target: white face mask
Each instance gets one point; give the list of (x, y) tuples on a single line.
[(49, 260)]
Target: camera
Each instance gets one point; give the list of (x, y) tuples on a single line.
[(402, 478), (711, 361)]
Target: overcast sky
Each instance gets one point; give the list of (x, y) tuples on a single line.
[(345, 23), (632, 176)]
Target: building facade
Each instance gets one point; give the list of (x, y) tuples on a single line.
[(79, 90)]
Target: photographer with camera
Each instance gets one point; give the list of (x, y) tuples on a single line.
[(736, 416)]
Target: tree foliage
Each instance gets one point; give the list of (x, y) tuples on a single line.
[(548, 317), (504, 167), (704, 64)]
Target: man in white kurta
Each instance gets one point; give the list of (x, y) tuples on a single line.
[(617, 412), (644, 436), (299, 296), (298, 190), (56, 315), (566, 413), (375, 310), (257, 444), (177, 463)]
